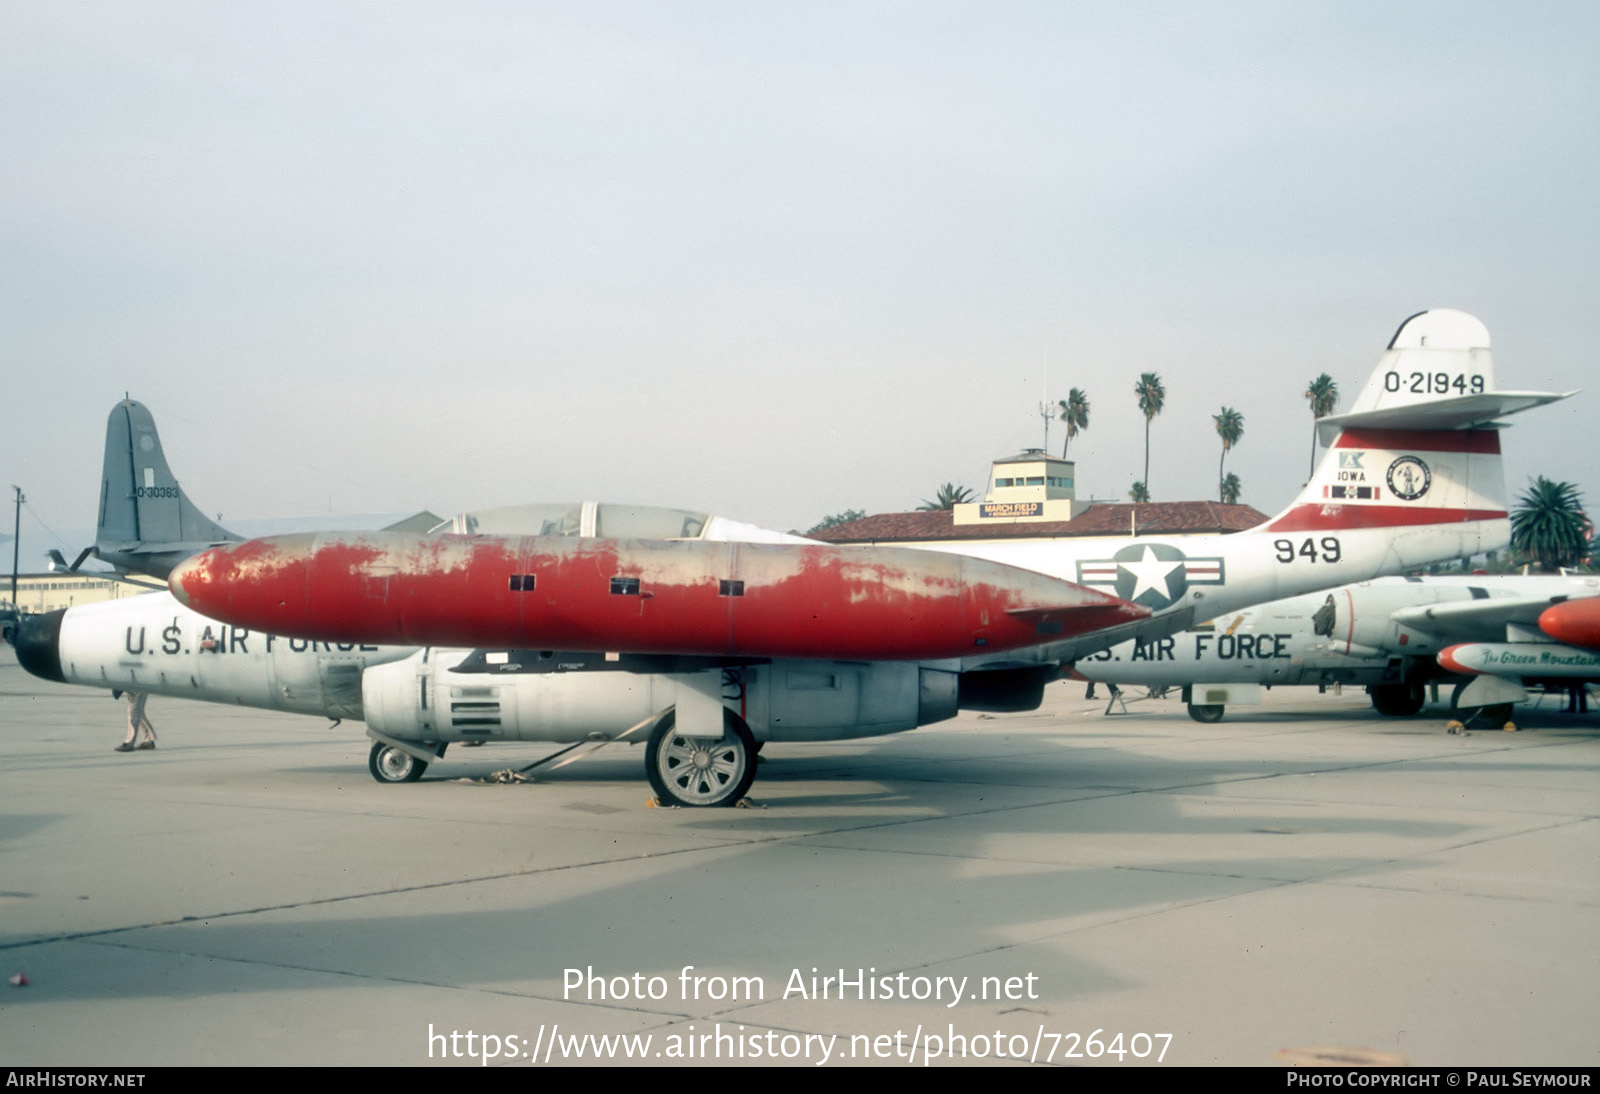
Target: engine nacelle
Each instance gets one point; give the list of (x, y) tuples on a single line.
[(1363, 619), (461, 695)]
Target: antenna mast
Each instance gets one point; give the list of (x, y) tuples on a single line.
[(16, 541)]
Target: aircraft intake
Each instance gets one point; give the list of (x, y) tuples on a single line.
[(638, 596), (37, 640)]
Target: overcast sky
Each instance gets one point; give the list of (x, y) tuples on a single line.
[(771, 260)]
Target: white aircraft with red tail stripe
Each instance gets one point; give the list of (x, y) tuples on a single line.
[(1412, 475)]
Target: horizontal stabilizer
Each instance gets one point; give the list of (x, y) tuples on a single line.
[(59, 565), (1458, 412)]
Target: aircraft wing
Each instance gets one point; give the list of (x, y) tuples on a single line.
[(544, 662), (1068, 650), (1477, 620)]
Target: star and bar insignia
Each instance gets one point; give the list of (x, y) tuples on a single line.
[(1152, 574)]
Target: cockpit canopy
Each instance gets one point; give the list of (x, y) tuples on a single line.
[(607, 520)]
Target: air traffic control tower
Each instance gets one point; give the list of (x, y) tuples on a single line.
[(1030, 487)]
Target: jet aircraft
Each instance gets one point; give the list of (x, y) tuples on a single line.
[(1491, 637), (417, 701), (736, 637), (155, 644)]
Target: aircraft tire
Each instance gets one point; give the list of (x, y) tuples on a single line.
[(1206, 712), (699, 773), (1398, 700), (1494, 714), (392, 765)]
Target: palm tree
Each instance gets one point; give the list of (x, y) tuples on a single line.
[(1075, 412), (1152, 397), (1323, 395), (1230, 489), (833, 520), (1139, 493), (1230, 427), (1549, 525), (949, 496)]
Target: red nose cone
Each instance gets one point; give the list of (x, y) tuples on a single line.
[(1575, 622), (255, 580)]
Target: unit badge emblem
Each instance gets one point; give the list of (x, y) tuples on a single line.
[(1409, 478)]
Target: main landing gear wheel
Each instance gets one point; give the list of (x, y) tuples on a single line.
[(389, 764), (1206, 712), (1397, 700), (1496, 714), (698, 771)]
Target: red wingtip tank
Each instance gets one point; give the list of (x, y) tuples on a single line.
[(1447, 661), (1575, 622), (638, 596)]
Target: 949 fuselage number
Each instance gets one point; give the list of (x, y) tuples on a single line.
[(1432, 383), (1312, 549)]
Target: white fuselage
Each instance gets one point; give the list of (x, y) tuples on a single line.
[(1205, 577), (1348, 635), (154, 644)]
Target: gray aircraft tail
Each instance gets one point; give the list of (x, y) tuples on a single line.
[(147, 524)]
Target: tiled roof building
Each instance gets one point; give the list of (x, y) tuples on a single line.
[(1033, 495), (1165, 518)]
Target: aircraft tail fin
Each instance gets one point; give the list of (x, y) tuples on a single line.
[(146, 523), (1421, 444)]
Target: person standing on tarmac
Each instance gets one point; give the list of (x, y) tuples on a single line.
[(137, 722)]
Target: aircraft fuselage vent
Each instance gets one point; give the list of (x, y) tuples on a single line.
[(475, 706)]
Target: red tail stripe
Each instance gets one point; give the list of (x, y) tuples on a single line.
[(1334, 517), (1485, 442)]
